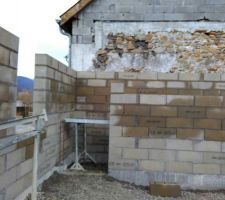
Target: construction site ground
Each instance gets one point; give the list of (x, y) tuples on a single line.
[(94, 184)]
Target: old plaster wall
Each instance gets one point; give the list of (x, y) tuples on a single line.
[(85, 33)]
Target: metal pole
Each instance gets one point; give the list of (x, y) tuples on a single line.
[(76, 143), (35, 166), (85, 142)]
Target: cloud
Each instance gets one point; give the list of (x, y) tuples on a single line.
[(34, 22)]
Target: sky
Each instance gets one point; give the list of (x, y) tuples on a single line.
[(34, 22)]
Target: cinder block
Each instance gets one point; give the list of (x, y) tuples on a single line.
[(176, 84), (165, 190), (220, 86), (97, 83), (190, 156), (24, 168), (123, 164), (42, 84), (190, 134), (127, 75), (189, 77), (85, 75), (7, 178), (97, 99), (209, 169), (147, 76), (152, 143), (212, 77), (155, 84), (207, 123), (102, 91), (192, 112), (180, 100), (164, 111), (215, 135), (162, 155), (179, 123), (155, 132), (83, 91), (116, 109), (115, 131), (216, 113), (105, 75), (135, 154), (214, 158), (43, 59), (153, 99), (208, 146), (135, 131), (151, 165), (138, 110), (89, 107), (2, 164), (115, 153), (179, 167), (202, 85), (4, 56), (13, 60), (15, 158), (136, 84), (124, 98), (117, 87), (150, 121), (208, 100), (177, 144), (124, 142), (167, 76)]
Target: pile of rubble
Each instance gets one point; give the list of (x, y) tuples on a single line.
[(201, 51)]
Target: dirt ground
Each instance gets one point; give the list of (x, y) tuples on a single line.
[(96, 185)]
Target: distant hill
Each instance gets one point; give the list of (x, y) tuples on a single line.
[(24, 83)]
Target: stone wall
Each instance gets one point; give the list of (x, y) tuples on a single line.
[(85, 32)]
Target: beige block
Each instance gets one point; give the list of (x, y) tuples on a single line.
[(152, 143), (147, 76), (208, 100), (136, 84), (155, 84), (127, 75), (162, 155), (124, 98), (178, 144), (192, 112), (125, 142), (167, 76), (85, 75), (176, 84), (179, 167), (115, 131), (24, 168), (214, 158), (210, 169), (117, 87), (97, 83), (135, 154), (189, 77), (135, 132), (153, 99), (179, 123), (123, 164), (43, 59), (207, 146), (164, 111), (202, 85), (190, 134), (190, 156), (105, 75), (155, 132), (216, 113), (212, 77), (151, 165), (207, 123), (84, 107), (180, 100), (215, 135), (7, 178)]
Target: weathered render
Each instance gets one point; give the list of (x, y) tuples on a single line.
[(97, 18)]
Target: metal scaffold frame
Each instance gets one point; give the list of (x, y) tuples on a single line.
[(38, 120)]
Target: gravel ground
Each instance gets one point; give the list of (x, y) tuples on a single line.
[(72, 185)]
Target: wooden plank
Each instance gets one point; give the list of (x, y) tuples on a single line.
[(73, 11)]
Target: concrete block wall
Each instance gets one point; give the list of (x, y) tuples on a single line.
[(54, 90), (14, 164), (168, 127)]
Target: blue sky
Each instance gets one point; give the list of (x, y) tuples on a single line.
[(34, 22)]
